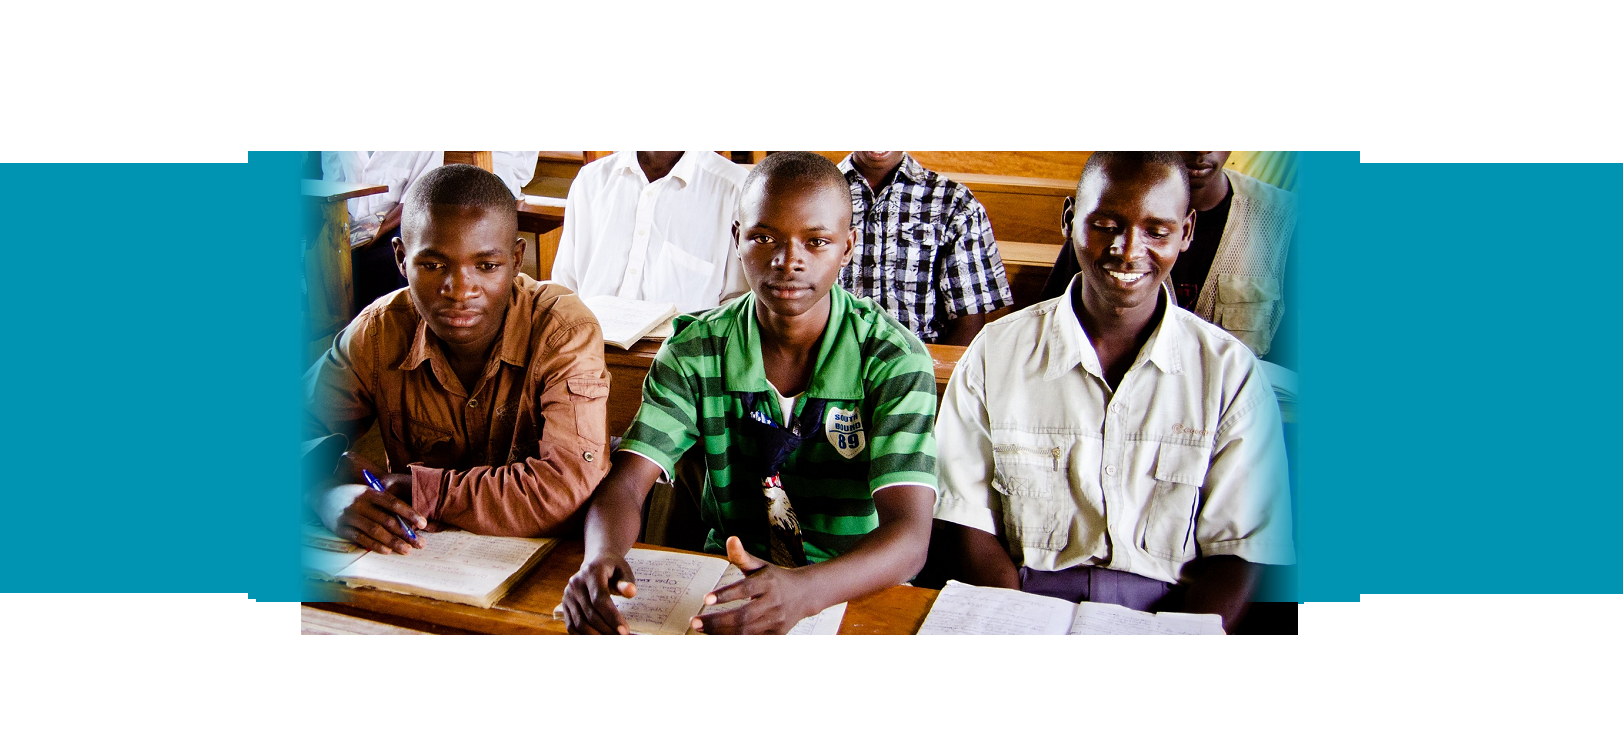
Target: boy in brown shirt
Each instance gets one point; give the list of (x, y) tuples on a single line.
[(490, 386)]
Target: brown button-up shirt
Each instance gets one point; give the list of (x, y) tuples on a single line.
[(515, 456)]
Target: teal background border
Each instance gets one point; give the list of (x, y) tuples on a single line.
[(1458, 340)]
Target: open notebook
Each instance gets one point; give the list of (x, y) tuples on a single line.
[(963, 609), (625, 321), (454, 566), (671, 588)]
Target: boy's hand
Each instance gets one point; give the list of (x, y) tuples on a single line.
[(367, 517), (776, 599), (587, 606)]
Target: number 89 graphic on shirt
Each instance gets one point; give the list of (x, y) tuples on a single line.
[(844, 428)]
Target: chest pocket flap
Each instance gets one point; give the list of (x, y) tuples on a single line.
[(1182, 464), (1169, 522)]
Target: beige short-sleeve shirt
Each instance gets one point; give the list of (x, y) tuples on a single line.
[(1184, 459)]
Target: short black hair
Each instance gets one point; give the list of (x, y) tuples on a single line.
[(1098, 160), (456, 185), (791, 168)]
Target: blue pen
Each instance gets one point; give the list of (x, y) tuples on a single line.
[(377, 486)]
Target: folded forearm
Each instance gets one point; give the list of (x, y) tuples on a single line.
[(535, 497)]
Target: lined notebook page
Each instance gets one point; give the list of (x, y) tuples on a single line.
[(671, 587), (963, 609), (450, 562)]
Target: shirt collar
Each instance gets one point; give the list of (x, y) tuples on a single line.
[(1065, 345), (743, 370), (685, 169), (909, 169), (514, 336)]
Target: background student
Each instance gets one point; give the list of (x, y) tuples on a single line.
[(925, 250), (653, 226)]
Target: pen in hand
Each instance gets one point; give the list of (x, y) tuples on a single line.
[(377, 486)]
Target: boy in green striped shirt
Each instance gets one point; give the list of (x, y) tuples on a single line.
[(814, 411)]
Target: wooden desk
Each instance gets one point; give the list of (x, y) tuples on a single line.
[(628, 369), (327, 262), (539, 219), (528, 608)]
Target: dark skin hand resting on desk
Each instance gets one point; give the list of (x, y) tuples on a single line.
[(460, 269), (792, 239), (1128, 227)]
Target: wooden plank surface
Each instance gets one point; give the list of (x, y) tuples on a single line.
[(1027, 267), (1065, 166), (332, 190), (528, 608)]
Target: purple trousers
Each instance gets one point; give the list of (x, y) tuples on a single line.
[(1103, 585)]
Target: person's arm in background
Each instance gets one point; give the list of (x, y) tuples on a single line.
[(567, 268), (968, 262), (535, 496)]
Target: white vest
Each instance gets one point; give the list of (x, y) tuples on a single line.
[(1244, 291)]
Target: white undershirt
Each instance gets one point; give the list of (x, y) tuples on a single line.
[(786, 403)]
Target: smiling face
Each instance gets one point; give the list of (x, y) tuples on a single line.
[(1204, 166), (459, 265), (793, 237), (1129, 223)]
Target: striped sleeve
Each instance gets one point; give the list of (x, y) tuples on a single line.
[(667, 423), (901, 403)]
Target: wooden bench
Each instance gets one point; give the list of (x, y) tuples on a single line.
[(1027, 265)]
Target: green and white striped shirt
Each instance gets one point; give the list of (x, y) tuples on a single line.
[(878, 427)]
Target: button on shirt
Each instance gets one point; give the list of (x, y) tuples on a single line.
[(880, 386), (515, 455), (397, 170), (1184, 459), (669, 241), (925, 250)]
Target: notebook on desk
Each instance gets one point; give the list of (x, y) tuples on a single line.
[(625, 321), (671, 589), (963, 609), (454, 566)]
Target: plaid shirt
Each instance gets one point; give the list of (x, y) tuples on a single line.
[(926, 252)]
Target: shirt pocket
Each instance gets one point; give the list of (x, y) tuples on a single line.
[(685, 279), (589, 398), (1245, 308), (425, 443), (1168, 529), (1036, 497)]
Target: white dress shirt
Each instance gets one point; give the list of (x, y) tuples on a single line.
[(668, 241), (1185, 459), (398, 170), (514, 168)]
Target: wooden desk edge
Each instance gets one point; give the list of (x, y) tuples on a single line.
[(886, 612), (331, 191)]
